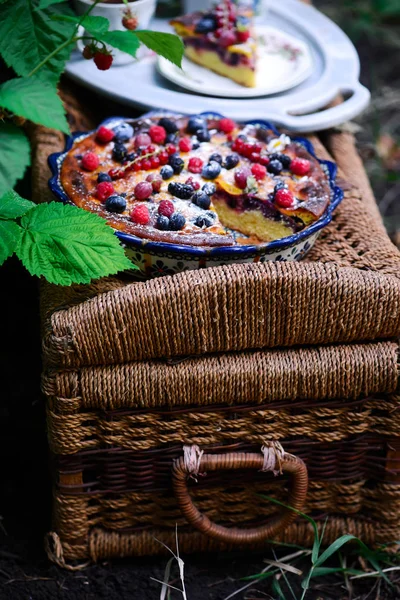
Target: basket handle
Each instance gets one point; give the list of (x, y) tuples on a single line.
[(288, 463)]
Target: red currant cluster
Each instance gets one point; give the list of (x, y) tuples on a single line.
[(102, 58), (228, 30)]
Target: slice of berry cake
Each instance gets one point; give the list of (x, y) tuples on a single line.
[(221, 40), (196, 181)]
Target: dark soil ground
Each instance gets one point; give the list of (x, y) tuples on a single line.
[(25, 500)]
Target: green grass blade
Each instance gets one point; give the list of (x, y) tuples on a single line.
[(317, 543), (322, 571), (334, 547), (276, 588)]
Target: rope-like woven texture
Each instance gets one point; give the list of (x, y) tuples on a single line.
[(146, 430), (374, 508), (118, 471), (340, 371), (226, 308)]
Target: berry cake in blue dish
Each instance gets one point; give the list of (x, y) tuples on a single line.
[(187, 192)]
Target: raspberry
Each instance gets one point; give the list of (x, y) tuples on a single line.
[(185, 145), (226, 125), (163, 157), (103, 61), (166, 208), (243, 36), (140, 214), (171, 149), (130, 20), (87, 52), (300, 166), (241, 176), (283, 198), (195, 165), (155, 180), (90, 161), (157, 134), (227, 38), (259, 171), (104, 135), (195, 184), (104, 190), (155, 162), (143, 190), (142, 140)]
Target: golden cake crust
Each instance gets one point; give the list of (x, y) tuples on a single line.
[(311, 193)]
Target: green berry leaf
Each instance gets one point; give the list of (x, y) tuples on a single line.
[(168, 45), (66, 245), (12, 206), (126, 41), (94, 25), (10, 233), (28, 36), (35, 100), (14, 155)]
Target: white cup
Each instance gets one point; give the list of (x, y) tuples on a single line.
[(143, 10)]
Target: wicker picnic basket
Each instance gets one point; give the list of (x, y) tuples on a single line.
[(188, 400)]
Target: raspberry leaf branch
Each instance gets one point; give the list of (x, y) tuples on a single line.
[(60, 242)]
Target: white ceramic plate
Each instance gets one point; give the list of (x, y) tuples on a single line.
[(283, 63), (336, 69)]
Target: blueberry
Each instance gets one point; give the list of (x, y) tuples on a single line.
[(211, 171), (195, 123), (162, 223), (166, 172), (180, 190), (216, 157), (201, 200), (119, 152), (203, 135), (275, 167), (116, 204), (203, 221), (103, 177), (231, 161), (206, 24), (169, 125), (123, 132), (177, 222), (195, 145), (176, 163), (242, 137), (209, 188), (171, 138), (283, 158), (280, 185), (131, 156)]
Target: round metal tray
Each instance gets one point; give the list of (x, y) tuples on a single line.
[(336, 70)]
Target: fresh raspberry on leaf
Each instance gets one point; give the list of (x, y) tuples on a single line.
[(103, 60)]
